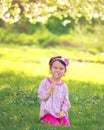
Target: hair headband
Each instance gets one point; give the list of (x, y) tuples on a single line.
[(66, 62)]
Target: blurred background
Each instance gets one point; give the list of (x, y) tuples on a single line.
[(76, 24)]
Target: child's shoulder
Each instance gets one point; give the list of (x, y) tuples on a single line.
[(45, 79), (65, 85)]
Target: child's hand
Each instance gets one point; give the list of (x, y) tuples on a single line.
[(61, 114), (53, 85), (51, 88)]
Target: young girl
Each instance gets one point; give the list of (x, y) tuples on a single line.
[(53, 94)]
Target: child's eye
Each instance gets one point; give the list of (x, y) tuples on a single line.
[(61, 68), (55, 67)]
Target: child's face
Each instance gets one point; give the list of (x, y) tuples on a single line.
[(58, 68)]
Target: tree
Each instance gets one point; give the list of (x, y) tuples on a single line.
[(41, 10)]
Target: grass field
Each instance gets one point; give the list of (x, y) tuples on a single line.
[(21, 70)]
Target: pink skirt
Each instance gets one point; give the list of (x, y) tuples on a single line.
[(49, 119)]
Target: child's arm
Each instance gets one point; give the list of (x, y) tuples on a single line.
[(43, 91), (66, 104), (51, 88)]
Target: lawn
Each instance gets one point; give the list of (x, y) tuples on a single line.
[(21, 70)]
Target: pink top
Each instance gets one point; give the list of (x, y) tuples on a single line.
[(57, 101)]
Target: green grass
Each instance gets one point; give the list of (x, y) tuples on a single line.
[(21, 70)]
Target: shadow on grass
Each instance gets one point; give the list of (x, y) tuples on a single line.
[(19, 104)]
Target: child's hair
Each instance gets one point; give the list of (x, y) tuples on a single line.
[(61, 59)]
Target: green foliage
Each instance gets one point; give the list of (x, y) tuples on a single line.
[(84, 36), (55, 25)]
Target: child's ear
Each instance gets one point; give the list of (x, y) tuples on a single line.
[(65, 71), (64, 74)]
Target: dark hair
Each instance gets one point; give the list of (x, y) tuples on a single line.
[(57, 58)]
